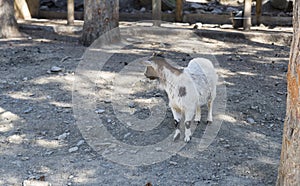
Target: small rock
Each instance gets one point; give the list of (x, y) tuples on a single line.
[(80, 142), (55, 69), (71, 176), (143, 9), (221, 139), (250, 120), (100, 111), (25, 158), (131, 104), (126, 135), (48, 153), (173, 162), (280, 93), (133, 151), (25, 78), (226, 145), (254, 107), (44, 7), (73, 149), (63, 136), (158, 149), (279, 100), (107, 101), (16, 139), (108, 120), (216, 11), (28, 110), (196, 6)]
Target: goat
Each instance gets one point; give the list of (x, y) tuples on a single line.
[(187, 89)]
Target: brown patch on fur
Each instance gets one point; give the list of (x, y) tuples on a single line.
[(182, 91)]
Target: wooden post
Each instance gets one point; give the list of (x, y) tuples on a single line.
[(156, 12), (70, 12), (21, 9), (258, 11), (179, 12), (247, 15)]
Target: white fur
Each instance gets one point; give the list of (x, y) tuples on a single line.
[(199, 79)]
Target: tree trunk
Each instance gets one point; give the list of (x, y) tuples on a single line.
[(8, 23), (100, 16), (289, 168)]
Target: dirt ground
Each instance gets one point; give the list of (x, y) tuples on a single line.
[(39, 139)]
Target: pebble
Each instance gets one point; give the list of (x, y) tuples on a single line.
[(28, 110), (196, 6), (226, 145), (143, 9), (133, 151), (80, 142), (55, 69), (254, 107), (25, 158), (63, 136), (250, 120), (222, 139), (280, 93), (158, 149), (126, 135), (107, 101), (48, 152), (73, 149), (100, 111), (173, 162), (279, 100), (131, 104)]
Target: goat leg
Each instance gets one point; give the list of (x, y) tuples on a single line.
[(188, 132), (177, 131)]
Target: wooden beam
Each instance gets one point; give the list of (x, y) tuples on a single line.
[(179, 10), (247, 15), (70, 12), (156, 12), (258, 10)]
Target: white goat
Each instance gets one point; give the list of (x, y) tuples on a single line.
[(187, 89)]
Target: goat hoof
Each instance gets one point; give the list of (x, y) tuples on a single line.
[(209, 122), (197, 122), (176, 135), (187, 139)]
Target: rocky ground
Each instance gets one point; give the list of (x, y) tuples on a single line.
[(39, 138), (168, 6)]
